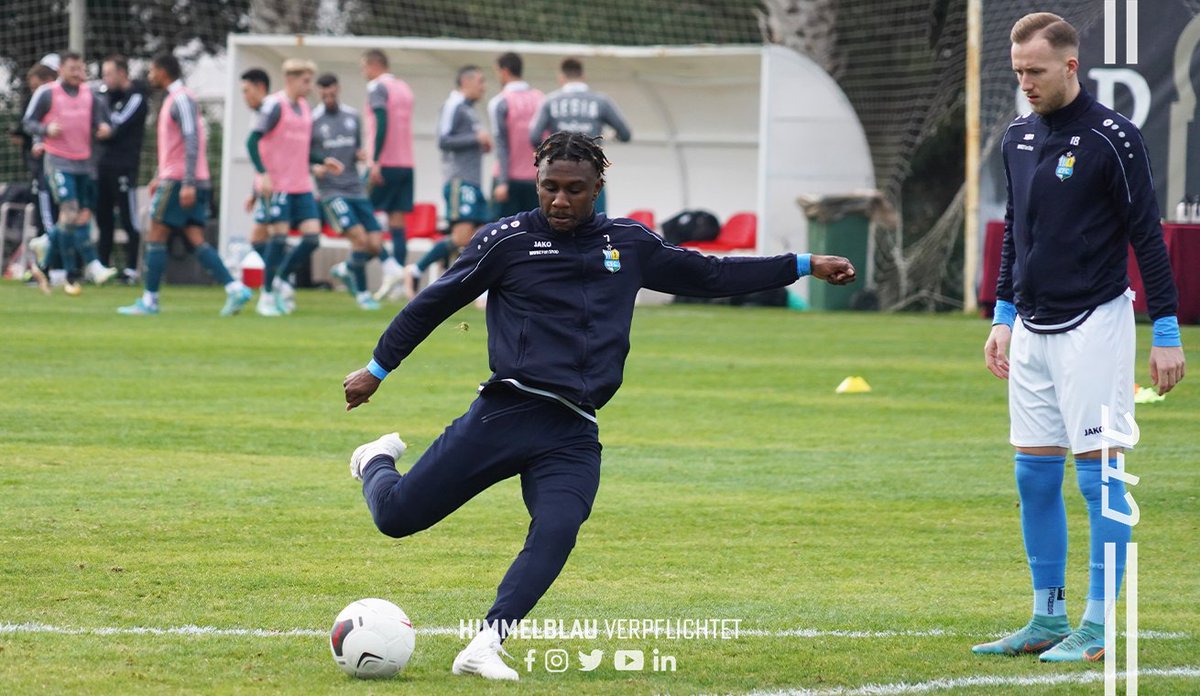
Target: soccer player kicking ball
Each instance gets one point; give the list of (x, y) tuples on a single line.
[(1079, 192), (182, 190), (562, 282)]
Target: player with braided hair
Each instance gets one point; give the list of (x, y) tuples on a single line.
[(561, 281)]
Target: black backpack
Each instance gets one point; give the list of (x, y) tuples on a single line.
[(691, 226)]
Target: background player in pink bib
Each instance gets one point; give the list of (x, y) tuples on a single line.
[(512, 113), (182, 191), (65, 116), (387, 122), (279, 147)]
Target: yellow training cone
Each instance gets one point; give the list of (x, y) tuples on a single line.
[(1146, 395), (853, 385)]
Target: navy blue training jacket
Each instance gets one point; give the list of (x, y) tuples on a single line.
[(560, 304), (1079, 192)]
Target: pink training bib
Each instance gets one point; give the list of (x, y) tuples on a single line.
[(74, 114), (285, 149), (172, 149), (398, 143)]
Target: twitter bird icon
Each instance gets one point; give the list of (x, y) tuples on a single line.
[(590, 661)]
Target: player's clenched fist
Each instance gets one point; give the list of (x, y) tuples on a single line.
[(359, 386), (835, 270)]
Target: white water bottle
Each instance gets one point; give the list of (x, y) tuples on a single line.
[(1183, 213)]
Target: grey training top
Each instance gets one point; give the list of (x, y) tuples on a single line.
[(462, 155), (577, 109), (39, 106), (338, 134)]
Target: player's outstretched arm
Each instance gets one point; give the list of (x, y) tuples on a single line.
[(359, 386), (835, 270), (1166, 367)]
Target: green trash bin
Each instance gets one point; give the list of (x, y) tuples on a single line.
[(839, 226), (844, 236)]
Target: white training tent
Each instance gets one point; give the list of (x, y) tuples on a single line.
[(722, 128)]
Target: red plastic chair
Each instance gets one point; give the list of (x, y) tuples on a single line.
[(422, 222), (646, 217), (738, 233)]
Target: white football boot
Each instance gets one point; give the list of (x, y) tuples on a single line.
[(482, 657), (285, 296), (98, 273), (389, 444), (393, 277), (266, 305)]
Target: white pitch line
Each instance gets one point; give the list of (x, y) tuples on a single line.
[(900, 688), (152, 631), (190, 630)]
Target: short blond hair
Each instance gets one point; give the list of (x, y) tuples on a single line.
[(299, 66), (1056, 30)]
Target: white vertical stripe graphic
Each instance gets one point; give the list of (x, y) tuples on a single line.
[(1131, 619), (1131, 32), (1110, 31), (1110, 624)]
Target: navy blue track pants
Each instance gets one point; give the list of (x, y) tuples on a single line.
[(505, 433)]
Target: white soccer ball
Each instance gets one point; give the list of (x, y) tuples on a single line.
[(372, 639)]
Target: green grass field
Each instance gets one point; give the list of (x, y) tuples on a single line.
[(185, 470)]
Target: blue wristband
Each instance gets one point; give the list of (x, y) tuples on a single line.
[(1005, 313), (376, 369), (1166, 333), (804, 264)]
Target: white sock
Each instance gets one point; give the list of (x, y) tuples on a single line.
[(1094, 611), (1050, 601), (58, 276), (150, 299), (95, 266), (233, 286), (415, 271), (364, 295)]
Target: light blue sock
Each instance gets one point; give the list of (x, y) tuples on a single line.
[(276, 250), (1043, 522), (1103, 529), (211, 261), (439, 252), (298, 256), (358, 270), (156, 265), (399, 245)]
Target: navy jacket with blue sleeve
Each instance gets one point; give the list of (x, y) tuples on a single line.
[(560, 305), (1080, 192)]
